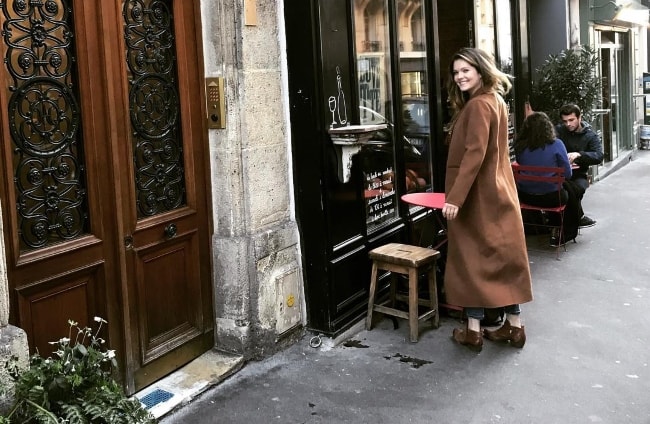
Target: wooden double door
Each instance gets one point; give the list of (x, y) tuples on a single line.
[(105, 185)]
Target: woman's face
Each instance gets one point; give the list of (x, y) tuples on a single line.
[(466, 76)]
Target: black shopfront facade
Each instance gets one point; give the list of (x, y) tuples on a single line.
[(368, 112)]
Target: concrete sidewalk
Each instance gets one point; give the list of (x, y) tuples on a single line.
[(585, 361)]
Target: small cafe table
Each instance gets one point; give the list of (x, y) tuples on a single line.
[(433, 201), (428, 200)]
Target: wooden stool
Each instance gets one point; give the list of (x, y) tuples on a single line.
[(411, 261)]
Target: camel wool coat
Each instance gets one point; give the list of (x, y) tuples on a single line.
[(487, 262)]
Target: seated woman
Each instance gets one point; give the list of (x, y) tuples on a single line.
[(537, 145)]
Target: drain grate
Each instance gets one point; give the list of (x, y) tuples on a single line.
[(156, 397)]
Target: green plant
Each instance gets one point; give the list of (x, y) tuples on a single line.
[(569, 77), (74, 385)]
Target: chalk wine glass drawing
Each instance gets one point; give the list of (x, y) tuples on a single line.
[(332, 105)]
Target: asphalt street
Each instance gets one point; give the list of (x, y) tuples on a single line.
[(585, 360)]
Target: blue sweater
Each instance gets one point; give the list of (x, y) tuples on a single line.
[(553, 154)]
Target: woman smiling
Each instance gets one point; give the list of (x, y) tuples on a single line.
[(487, 261)]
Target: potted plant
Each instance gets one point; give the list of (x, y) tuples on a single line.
[(570, 76), (74, 385)]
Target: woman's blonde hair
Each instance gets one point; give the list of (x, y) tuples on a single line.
[(493, 79)]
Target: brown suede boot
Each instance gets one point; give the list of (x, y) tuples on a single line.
[(507, 333), (472, 339)]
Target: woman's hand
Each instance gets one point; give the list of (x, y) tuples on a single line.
[(449, 211)]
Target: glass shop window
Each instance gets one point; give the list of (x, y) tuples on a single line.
[(377, 100), (485, 36), (494, 35), (414, 103), (504, 58), (377, 155)]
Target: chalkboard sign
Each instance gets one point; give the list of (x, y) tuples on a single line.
[(379, 196)]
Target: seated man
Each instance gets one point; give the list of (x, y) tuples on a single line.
[(584, 148)]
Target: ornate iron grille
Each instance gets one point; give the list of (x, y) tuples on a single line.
[(154, 106), (44, 122)]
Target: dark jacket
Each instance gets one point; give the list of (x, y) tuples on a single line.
[(586, 142)]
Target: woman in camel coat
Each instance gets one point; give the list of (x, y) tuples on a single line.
[(487, 262)]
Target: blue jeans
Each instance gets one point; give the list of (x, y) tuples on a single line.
[(479, 313)]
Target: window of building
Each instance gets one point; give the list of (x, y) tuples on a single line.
[(381, 102)]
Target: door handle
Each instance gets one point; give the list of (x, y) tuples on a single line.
[(170, 231)]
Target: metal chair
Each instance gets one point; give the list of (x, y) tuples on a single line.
[(554, 175)]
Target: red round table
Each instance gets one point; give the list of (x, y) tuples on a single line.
[(428, 200), (432, 201)]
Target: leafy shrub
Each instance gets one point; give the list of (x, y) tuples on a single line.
[(571, 76), (74, 385)]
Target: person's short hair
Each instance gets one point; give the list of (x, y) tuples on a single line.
[(570, 108)]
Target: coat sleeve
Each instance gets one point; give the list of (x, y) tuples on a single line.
[(593, 153), (475, 134)]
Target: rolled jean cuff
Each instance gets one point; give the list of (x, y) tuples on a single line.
[(476, 313), (479, 313), (513, 309)]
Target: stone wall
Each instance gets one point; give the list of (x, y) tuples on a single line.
[(257, 275)]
